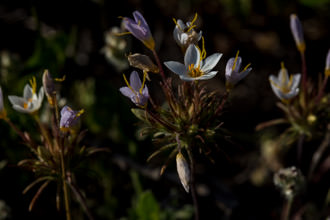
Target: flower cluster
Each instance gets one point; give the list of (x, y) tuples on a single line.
[(56, 155), (189, 120)]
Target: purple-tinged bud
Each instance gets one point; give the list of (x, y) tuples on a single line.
[(183, 171), (69, 117), (49, 87), (297, 32), (140, 29), (2, 108), (327, 64)]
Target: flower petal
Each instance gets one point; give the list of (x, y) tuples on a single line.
[(127, 92), (27, 92), (15, 100), (176, 67), (229, 66), (140, 19), (135, 81), (192, 56), (295, 81), (206, 76), (283, 76), (210, 62), (21, 109)]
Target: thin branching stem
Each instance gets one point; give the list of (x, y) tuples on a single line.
[(65, 189), (192, 182)]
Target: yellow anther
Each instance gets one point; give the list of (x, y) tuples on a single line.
[(139, 23), (80, 113), (25, 105), (60, 79), (282, 65), (235, 61), (33, 84)]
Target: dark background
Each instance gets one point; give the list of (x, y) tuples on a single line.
[(69, 41)]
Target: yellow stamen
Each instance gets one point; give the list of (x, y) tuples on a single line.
[(122, 34), (33, 84), (143, 82), (25, 105), (139, 23), (282, 65), (191, 26), (129, 86), (194, 72), (80, 113), (203, 53), (247, 66), (60, 79), (235, 61)]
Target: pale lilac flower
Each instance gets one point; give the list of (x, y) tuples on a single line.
[(135, 90), (194, 67), (233, 74), (327, 64), (30, 102), (69, 117), (297, 32), (184, 34), (2, 108), (183, 171), (140, 29), (285, 88)]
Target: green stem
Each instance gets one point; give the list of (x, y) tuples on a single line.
[(65, 189)]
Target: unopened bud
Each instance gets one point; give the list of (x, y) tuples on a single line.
[(290, 181), (183, 171), (49, 87), (327, 64), (142, 62), (297, 32)]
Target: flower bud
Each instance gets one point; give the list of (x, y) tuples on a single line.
[(297, 32), (327, 64), (49, 87), (142, 62), (290, 181), (183, 171)]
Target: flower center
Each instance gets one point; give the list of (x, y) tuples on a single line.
[(194, 71)]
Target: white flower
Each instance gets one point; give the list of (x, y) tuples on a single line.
[(184, 34), (30, 102), (233, 75), (285, 88), (183, 171), (195, 68)]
